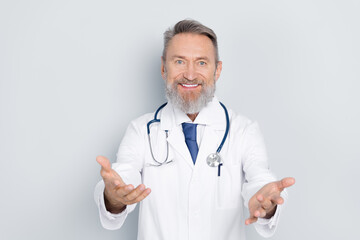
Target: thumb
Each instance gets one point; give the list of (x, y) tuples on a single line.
[(104, 162), (286, 182)]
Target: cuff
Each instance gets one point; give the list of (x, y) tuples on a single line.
[(270, 222), (267, 227), (110, 215), (108, 220)]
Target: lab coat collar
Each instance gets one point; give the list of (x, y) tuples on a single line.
[(212, 115)]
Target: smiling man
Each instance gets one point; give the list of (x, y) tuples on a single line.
[(193, 164), (190, 68)]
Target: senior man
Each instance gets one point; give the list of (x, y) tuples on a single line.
[(193, 164)]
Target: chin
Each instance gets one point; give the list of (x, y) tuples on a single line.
[(190, 96), (190, 99)]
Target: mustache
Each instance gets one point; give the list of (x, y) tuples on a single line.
[(186, 81)]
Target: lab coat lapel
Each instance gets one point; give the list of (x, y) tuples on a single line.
[(212, 116), (177, 141), (176, 137)]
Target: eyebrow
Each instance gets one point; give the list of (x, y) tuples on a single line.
[(198, 58)]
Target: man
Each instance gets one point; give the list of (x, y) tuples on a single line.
[(164, 164)]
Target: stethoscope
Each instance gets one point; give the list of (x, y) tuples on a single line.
[(213, 160)]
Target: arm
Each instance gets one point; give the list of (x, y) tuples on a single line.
[(116, 195), (264, 203), (260, 191)]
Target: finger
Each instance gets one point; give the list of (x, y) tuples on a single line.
[(260, 198), (110, 176), (135, 193), (112, 179), (286, 182), (260, 213), (124, 190), (277, 200), (251, 220), (255, 213), (112, 183), (104, 162), (143, 195), (267, 203), (255, 201)]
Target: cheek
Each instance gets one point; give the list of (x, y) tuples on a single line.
[(207, 73), (175, 70), (174, 76)]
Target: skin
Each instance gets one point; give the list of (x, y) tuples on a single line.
[(117, 193), (263, 204), (190, 59)]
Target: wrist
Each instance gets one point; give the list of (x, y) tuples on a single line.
[(113, 207), (271, 213)]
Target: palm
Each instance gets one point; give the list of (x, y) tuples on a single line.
[(263, 203), (117, 193)]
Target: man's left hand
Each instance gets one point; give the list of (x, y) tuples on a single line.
[(263, 204)]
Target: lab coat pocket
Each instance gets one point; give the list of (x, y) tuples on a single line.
[(228, 189)]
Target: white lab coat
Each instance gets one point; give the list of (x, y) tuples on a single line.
[(187, 201)]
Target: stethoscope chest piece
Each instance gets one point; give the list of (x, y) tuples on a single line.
[(213, 160)]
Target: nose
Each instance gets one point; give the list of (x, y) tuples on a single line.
[(190, 72)]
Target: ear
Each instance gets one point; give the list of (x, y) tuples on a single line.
[(218, 70), (163, 68)]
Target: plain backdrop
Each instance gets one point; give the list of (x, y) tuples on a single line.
[(74, 73)]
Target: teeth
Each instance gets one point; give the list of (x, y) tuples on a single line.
[(190, 85)]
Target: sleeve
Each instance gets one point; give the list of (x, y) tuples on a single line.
[(257, 174), (129, 166)]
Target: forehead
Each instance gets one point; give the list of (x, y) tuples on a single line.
[(191, 45)]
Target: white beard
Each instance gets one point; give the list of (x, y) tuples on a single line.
[(190, 107)]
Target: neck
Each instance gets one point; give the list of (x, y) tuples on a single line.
[(192, 116)]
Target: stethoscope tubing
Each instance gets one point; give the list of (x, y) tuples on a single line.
[(158, 163), (227, 128)]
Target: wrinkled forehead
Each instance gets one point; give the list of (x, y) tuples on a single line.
[(191, 46)]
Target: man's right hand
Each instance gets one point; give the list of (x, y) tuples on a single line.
[(118, 194)]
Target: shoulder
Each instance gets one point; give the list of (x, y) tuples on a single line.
[(242, 124), (138, 125), (238, 120), (143, 119)]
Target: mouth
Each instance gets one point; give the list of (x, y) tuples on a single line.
[(189, 86)]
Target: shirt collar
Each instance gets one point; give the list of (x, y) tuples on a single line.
[(212, 115)]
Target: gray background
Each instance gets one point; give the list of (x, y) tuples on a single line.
[(74, 73)]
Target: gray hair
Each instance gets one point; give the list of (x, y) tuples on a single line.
[(190, 26)]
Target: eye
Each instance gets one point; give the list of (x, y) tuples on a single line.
[(202, 63), (179, 61)]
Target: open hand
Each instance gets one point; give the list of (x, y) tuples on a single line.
[(117, 193), (263, 203)]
